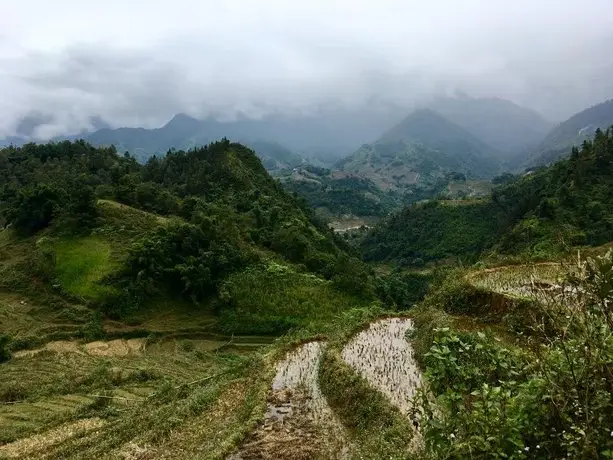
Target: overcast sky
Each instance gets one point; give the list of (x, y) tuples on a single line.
[(137, 62)]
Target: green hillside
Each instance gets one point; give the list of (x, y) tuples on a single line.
[(538, 214), (188, 221), (334, 194)]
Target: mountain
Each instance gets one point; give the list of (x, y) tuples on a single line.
[(419, 150), (185, 132), (274, 156), (326, 133), (572, 132), (538, 214), (435, 132), (500, 123)]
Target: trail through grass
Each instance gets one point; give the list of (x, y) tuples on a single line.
[(299, 423)]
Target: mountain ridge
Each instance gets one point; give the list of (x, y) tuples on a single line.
[(415, 153), (500, 123), (572, 133)]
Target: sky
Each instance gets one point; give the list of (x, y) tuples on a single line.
[(138, 62)]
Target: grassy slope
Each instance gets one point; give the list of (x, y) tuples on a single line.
[(80, 264)]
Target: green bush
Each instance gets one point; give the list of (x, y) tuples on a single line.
[(402, 289), (180, 259), (93, 329), (34, 208)]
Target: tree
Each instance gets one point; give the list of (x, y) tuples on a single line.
[(34, 208)]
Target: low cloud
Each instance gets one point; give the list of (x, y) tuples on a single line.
[(138, 63)]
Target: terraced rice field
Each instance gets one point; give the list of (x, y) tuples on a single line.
[(531, 281), (67, 378), (299, 423), (383, 356), (37, 444)]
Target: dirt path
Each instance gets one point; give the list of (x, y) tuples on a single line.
[(298, 423), (384, 357)]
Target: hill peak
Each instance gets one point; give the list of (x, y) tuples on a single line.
[(428, 127), (182, 120), (500, 123)]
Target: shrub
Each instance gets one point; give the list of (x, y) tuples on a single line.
[(93, 329), (181, 259)]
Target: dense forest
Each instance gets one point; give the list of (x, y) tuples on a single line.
[(537, 214)]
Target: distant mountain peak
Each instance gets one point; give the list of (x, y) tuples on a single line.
[(427, 127), (500, 123), (420, 150), (182, 120)]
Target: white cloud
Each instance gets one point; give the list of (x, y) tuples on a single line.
[(137, 62)]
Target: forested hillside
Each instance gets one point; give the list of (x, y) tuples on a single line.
[(539, 214), (334, 193), (218, 213)]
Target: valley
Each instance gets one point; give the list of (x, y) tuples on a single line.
[(306, 230), (199, 305)]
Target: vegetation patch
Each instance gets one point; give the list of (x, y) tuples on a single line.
[(275, 298), (491, 398), (81, 264)]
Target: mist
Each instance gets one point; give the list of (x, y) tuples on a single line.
[(69, 63)]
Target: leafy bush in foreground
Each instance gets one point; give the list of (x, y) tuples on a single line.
[(495, 400)]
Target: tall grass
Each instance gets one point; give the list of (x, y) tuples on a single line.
[(275, 299), (80, 265)]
